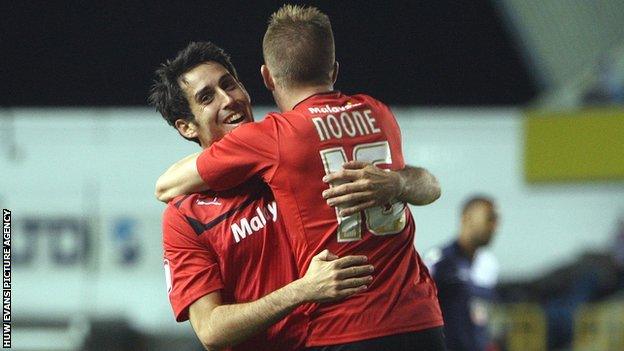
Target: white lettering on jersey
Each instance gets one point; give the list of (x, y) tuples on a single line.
[(247, 226), (332, 109), (321, 128), (371, 121), (213, 202), (350, 124), (273, 210)]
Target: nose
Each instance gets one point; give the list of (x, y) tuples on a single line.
[(227, 100)]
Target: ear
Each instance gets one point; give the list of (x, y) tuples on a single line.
[(266, 77), (187, 129), (335, 73)]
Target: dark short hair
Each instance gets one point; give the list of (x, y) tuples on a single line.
[(167, 95), (298, 46), (475, 200)]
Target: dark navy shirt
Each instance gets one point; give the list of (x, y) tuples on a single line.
[(463, 302)]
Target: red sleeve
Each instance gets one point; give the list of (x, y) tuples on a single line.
[(249, 150), (191, 268)]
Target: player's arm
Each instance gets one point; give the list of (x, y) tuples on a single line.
[(194, 283), (181, 178), (247, 151), (328, 279), (368, 186), (419, 186)]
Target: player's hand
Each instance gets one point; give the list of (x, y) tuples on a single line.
[(361, 186), (330, 278)]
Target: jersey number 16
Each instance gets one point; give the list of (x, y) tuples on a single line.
[(379, 221)]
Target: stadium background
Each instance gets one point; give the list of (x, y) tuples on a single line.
[(482, 91)]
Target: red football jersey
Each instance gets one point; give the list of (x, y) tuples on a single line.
[(233, 241), (292, 151)]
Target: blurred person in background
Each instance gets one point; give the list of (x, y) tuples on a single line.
[(466, 275)]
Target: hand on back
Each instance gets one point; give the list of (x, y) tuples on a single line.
[(330, 278)]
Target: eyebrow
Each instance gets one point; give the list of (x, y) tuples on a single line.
[(203, 90)]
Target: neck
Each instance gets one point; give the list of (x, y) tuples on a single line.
[(466, 245), (287, 98)]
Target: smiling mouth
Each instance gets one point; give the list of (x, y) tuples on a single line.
[(234, 118)]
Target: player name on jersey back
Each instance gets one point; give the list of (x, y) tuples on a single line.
[(401, 298), (346, 124)]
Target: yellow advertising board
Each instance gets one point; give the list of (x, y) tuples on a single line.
[(583, 145)]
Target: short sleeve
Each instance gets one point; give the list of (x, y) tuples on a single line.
[(191, 268), (249, 150)]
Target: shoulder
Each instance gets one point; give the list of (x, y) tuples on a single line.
[(435, 260), (370, 101), (183, 214), (175, 227), (185, 220), (178, 210), (174, 205), (266, 127), (485, 268), (208, 206), (439, 254), (432, 257), (172, 211), (381, 111), (277, 120), (440, 260), (187, 204)]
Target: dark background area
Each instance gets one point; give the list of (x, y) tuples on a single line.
[(81, 53)]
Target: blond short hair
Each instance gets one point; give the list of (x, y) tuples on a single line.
[(298, 46)]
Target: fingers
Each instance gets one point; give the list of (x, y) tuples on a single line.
[(343, 175), (354, 271), (359, 186), (351, 170), (356, 165), (355, 282), (347, 188), (351, 199), (343, 189), (345, 212), (325, 255), (349, 261)]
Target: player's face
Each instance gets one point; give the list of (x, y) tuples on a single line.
[(483, 220), (218, 101)]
